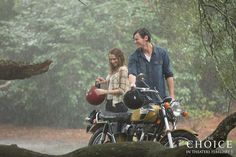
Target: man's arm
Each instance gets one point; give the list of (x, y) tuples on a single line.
[(132, 80), (170, 84), (132, 70)]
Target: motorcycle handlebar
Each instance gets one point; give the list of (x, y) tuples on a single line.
[(146, 90)]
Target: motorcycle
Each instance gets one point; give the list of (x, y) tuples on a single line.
[(151, 122)]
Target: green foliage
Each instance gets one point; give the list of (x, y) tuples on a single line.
[(6, 10), (218, 35), (78, 37), (198, 113)]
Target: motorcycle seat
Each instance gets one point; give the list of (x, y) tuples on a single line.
[(115, 117)]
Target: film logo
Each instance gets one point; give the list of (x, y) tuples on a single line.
[(210, 147)]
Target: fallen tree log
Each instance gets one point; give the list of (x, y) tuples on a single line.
[(11, 70), (135, 149), (223, 129)]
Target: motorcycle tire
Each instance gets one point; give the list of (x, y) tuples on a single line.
[(96, 137), (179, 138)]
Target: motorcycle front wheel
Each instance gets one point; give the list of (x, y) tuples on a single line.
[(96, 138), (179, 138)]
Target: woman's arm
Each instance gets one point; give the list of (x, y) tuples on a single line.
[(106, 91), (123, 83)]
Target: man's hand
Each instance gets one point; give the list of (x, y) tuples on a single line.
[(132, 80)]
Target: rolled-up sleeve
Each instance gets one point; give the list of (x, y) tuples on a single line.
[(132, 65), (166, 66), (124, 84)]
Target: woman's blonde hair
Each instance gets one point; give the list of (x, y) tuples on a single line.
[(120, 56)]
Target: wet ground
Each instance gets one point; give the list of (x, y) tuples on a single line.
[(44, 140), (57, 141)]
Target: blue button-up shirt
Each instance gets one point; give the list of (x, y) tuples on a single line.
[(156, 71)]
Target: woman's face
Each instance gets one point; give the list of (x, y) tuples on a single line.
[(113, 60)]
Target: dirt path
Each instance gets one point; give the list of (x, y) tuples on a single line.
[(44, 140), (204, 127), (61, 141)]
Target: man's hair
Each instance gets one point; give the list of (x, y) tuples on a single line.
[(143, 32)]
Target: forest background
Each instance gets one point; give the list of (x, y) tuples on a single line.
[(77, 35)]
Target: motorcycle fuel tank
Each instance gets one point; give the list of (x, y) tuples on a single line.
[(148, 113)]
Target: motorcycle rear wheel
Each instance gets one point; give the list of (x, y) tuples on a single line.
[(96, 138), (179, 138)]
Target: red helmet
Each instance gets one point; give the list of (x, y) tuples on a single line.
[(93, 98)]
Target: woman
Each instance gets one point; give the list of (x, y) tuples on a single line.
[(117, 81)]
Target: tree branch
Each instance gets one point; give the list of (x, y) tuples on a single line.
[(82, 2), (7, 83), (10, 70)]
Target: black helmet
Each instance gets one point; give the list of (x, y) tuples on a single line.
[(133, 99)]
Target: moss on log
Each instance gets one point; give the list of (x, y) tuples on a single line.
[(14, 151), (126, 149), (137, 149)]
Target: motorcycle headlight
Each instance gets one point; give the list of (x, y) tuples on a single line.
[(177, 110)]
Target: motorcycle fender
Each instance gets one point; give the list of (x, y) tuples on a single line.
[(93, 128), (189, 131), (180, 130)]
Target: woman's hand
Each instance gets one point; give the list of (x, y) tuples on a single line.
[(101, 91), (100, 80)]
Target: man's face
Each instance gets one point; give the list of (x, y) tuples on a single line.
[(113, 60), (139, 41)]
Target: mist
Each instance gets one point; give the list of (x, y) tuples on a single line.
[(46, 112)]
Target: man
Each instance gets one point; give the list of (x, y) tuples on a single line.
[(152, 61)]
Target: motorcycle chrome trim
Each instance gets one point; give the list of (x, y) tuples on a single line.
[(179, 130), (97, 116), (93, 128), (167, 127), (142, 136)]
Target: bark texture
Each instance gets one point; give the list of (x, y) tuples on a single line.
[(137, 149), (223, 129), (11, 70)]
